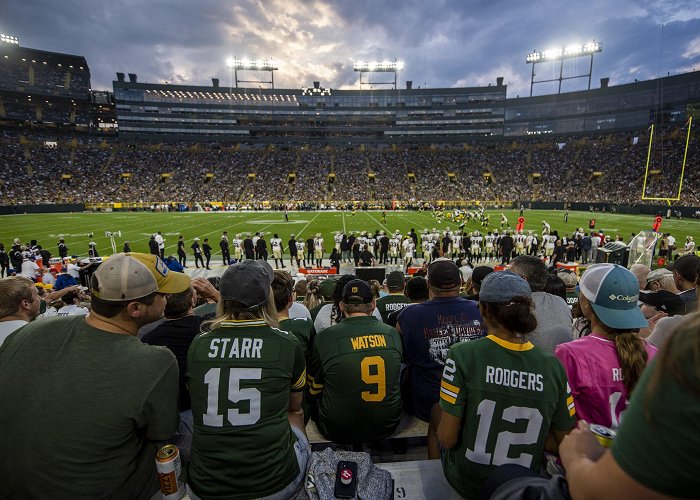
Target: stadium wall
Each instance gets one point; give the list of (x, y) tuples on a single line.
[(583, 207), (44, 208)]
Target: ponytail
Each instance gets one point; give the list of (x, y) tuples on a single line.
[(633, 357), (516, 316)]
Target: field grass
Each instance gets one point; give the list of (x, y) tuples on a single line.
[(138, 226)]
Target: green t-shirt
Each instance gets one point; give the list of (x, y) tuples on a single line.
[(78, 406), (240, 376), (390, 303), (355, 371), (301, 328), (666, 458), (508, 396)]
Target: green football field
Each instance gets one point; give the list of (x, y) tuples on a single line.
[(138, 226)]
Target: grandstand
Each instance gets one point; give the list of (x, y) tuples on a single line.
[(45, 88), (315, 147)]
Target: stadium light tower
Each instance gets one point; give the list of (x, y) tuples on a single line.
[(246, 64), (378, 67), (9, 39), (566, 52)]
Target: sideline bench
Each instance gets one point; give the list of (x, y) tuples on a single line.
[(419, 479), (410, 427)]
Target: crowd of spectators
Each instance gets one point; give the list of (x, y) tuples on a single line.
[(30, 73), (496, 347), (605, 168)]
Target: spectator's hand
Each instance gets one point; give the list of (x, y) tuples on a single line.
[(580, 444), (654, 319), (205, 289)]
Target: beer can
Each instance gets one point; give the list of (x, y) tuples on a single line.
[(169, 470), (604, 435)]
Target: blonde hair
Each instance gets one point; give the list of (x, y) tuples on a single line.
[(375, 286), (313, 294), (226, 311), (14, 290)]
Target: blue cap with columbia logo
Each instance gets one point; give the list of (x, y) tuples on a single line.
[(613, 292)]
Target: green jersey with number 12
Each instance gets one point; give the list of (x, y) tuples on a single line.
[(240, 376), (508, 396)]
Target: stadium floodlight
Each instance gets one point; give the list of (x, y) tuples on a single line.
[(378, 67), (9, 39), (245, 64), (576, 50), (253, 64), (566, 52)]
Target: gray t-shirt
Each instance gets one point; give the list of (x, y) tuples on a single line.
[(553, 321), (664, 329), (81, 410)]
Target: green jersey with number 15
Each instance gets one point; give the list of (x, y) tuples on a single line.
[(240, 376), (508, 396)]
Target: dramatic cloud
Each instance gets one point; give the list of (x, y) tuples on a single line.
[(444, 43)]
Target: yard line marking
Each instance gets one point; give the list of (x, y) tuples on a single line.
[(307, 225)]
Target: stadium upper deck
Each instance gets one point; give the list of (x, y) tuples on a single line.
[(43, 87), (402, 115), (290, 115)]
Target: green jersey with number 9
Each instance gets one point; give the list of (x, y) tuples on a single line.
[(240, 376), (355, 368), (509, 396)]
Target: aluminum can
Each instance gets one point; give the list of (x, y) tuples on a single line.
[(604, 435), (169, 468)]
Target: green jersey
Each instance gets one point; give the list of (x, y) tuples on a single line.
[(355, 368), (390, 303), (301, 328), (240, 376), (508, 396), (658, 441)]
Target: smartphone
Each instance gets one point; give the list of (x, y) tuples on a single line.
[(346, 480)]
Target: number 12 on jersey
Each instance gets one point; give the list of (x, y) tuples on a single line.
[(504, 439)]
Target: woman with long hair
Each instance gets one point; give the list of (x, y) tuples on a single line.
[(604, 367), (246, 379), (502, 400), (655, 453)]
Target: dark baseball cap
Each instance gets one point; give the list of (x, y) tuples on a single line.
[(357, 292), (247, 282), (480, 272), (444, 274), (395, 280), (664, 301)]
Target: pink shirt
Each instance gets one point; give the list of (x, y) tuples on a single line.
[(595, 378)]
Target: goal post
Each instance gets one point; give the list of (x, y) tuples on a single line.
[(668, 200)]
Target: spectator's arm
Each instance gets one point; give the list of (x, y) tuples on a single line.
[(205, 289), (593, 473), (55, 295), (448, 429)]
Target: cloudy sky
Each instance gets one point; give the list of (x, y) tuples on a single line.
[(444, 43)]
